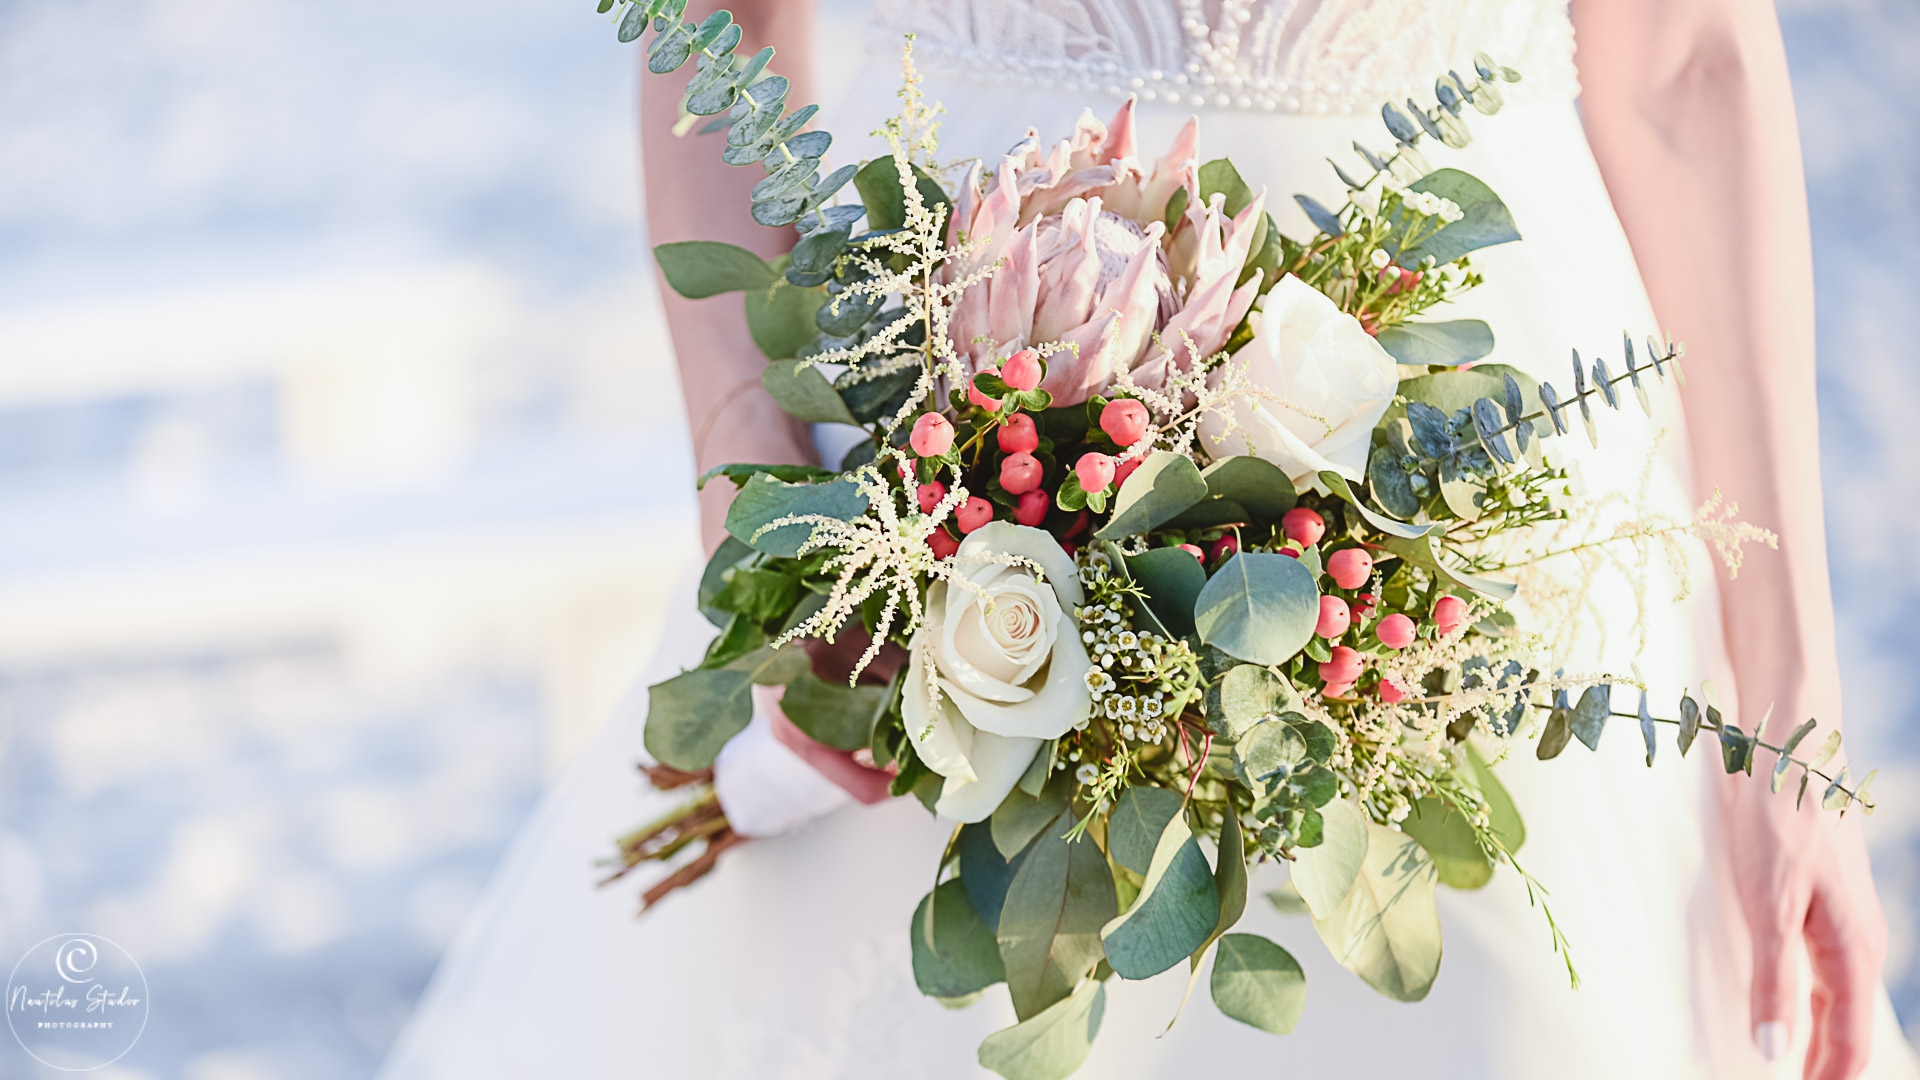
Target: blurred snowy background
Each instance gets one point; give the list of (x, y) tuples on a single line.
[(325, 463)]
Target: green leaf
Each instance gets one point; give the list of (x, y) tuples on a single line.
[(765, 499), (804, 393), (834, 713), (698, 269), (1323, 874), (1139, 816), (1386, 929), (1220, 177), (1176, 911), (1259, 983), (1050, 925), (1337, 484), (1503, 817), (1173, 579), (692, 715), (1485, 220), (1246, 695), (1255, 484), (870, 398), (1260, 607), (986, 872), (741, 473), (1444, 343), (729, 554), (1053, 1044), (954, 953), (1165, 484), (878, 183), (760, 595), (1447, 837), (1589, 717), (1020, 817), (1424, 552), (780, 318)]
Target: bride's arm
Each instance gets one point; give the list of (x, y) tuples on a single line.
[(1688, 108), (692, 195)]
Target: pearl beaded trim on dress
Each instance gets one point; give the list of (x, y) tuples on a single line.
[(1295, 56)]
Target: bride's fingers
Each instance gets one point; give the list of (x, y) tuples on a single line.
[(1776, 922), (1844, 949)]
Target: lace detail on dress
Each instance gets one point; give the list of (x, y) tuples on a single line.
[(1303, 56)]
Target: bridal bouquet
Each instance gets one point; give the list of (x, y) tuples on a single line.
[(1169, 542)]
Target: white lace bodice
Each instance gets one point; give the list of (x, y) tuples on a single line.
[(1307, 56)]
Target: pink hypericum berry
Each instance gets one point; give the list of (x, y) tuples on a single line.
[(1095, 472), (1344, 667), (932, 435), (929, 496), (1449, 614), (1395, 631), (1124, 469), (1017, 435), (1124, 420), (1362, 604), (1032, 509), (1303, 526), (1390, 693), (1337, 690), (942, 543), (1289, 553), (1020, 473), (1334, 618), (973, 513), (1350, 567), (983, 401), (1022, 370), (1194, 551), (1223, 547)]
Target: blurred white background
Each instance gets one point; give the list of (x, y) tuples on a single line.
[(337, 475)]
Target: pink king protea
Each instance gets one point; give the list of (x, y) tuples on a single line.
[(1089, 262)]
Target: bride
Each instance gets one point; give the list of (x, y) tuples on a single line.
[(1716, 930)]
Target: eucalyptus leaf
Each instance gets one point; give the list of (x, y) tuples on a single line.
[(1050, 925), (1325, 873), (804, 393), (1448, 839), (1175, 913), (1444, 344), (954, 953), (697, 269), (1484, 222), (729, 554), (1245, 696), (692, 715), (1053, 1044), (1020, 817), (1589, 717), (1387, 929), (1255, 484), (1260, 607), (834, 713), (765, 500), (780, 318), (1165, 484), (1337, 484), (1424, 552), (1172, 579), (1139, 816), (986, 872), (1257, 982), (878, 183), (1220, 177)]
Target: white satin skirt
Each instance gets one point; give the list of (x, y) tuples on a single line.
[(791, 960)]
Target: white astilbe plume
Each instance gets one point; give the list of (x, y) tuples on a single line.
[(882, 550), (1189, 396)]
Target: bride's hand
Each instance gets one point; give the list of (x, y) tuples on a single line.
[(1802, 876)]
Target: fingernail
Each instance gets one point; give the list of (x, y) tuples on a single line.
[(1771, 1038)]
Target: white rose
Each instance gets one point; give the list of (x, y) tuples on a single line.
[(1010, 667), (1333, 382)]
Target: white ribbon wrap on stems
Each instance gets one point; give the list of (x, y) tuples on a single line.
[(765, 788)]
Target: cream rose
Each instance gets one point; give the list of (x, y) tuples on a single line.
[(1009, 664), (1333, 382)]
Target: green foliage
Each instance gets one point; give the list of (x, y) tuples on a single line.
[(878, 183), (692, 715), (1386, 929), (1219, 177), (729, 554), (1050, 924), (1589, 717), (1246, 695), (1175, 913), (1243, 489), (1139, 818), (1053, 1044), (1325, 873), (765, 499), (1486, 221), (1448, 838), (834, 713), (698, 269), (1022, 816), (954, 953), (1164, 485), (1425, 553), (1257, 982), (804, 393), (1441, 344), (782, 317), (986, 872), (1259, 607), (1172, 579)]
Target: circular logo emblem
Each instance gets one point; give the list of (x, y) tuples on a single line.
[(77, 1002)]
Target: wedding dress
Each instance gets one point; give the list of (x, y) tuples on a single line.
[(791, 960)]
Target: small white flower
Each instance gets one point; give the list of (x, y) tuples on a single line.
[(1086, 774), (1450, 211), (1128, 640), (1380, 259)]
